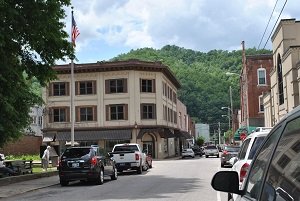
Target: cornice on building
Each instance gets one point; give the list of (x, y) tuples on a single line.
[(132, 64), (281, 23)]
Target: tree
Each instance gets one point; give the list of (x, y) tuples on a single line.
[(200, 141), (31, 40)]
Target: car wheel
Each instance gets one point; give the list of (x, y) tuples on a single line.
[(114, 176), (206, 156), (140, 169), (63, 182), (217, 156), (100, 179)]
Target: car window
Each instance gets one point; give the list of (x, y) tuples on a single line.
[(126, 148), (232, 149), (243, 149), (256, 143), (259, 166), (78, 152), (284, 173), (211, 147)]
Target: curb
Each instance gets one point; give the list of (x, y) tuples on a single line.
[(14, 179)]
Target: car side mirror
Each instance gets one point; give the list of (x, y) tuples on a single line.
[(226, 181), (110, 154)]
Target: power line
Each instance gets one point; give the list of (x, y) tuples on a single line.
[(267, 24), (275, 23)]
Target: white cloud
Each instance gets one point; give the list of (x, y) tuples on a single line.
[(197, 24)]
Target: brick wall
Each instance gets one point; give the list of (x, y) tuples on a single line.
[(28, 144)]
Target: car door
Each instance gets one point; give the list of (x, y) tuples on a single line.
[(283, 178), (253, 184)]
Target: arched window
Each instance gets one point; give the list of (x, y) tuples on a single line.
[(280, 80)]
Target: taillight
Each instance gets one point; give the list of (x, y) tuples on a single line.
[(137, 157), (225, 152), (244, 171), (94, 161)]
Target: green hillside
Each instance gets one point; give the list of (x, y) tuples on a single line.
[(205, 86)]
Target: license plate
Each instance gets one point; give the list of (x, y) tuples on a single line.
[(75, 165), (121, 157), (122, 164)]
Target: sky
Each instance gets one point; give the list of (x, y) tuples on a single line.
[(112, 27)]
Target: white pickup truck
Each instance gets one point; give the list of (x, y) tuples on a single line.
[(129, 156)]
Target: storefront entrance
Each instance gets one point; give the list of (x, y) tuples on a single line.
[(148, 147)]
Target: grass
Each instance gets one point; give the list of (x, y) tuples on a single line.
[(36, 167)]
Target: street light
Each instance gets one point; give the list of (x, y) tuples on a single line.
[(229, 114)]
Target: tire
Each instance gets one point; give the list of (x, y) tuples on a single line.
[(218, 156), (206, 156), (114, 176), (100, 179), (63, 182), (140, 169)]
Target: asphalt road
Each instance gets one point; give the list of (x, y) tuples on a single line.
[(182, 179)]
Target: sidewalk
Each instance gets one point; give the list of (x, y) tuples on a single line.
[(15, 185)]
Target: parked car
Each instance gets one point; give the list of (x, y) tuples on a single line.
[(129, 157), (198, 150), (211, 150), (85, 164), (188, 153), (274, 172), (228, 152)]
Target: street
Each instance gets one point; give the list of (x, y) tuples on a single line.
[(183, 179)]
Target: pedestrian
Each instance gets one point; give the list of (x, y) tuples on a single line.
[(45, 158), (3, 168)]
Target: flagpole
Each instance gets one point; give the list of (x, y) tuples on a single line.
[(72, 96)]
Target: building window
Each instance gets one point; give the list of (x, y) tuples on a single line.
[(40, 121), (280, 81), (147, 86), (261, 75), (174, 97), (116, 86), (180, 119), (148, 111), (59, 89), (175, 117), (86, 113), (85, 87), (261, 103), (59, 115), (165, 112), (117, 112)]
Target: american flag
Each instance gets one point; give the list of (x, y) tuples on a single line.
[(75, 31)]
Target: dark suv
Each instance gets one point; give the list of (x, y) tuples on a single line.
[(85, 164), (274, 173)]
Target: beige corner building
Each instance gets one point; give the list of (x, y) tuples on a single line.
[(285, 74), (117, 102)]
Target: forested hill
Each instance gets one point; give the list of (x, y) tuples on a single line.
[(205, 86)]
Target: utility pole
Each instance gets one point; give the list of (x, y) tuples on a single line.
[(219, 133)]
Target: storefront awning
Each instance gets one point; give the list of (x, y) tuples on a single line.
[(246, 130), (182, 134), (95, 135), (163, 132)]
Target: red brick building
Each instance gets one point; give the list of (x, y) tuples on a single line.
[(255, 80)]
